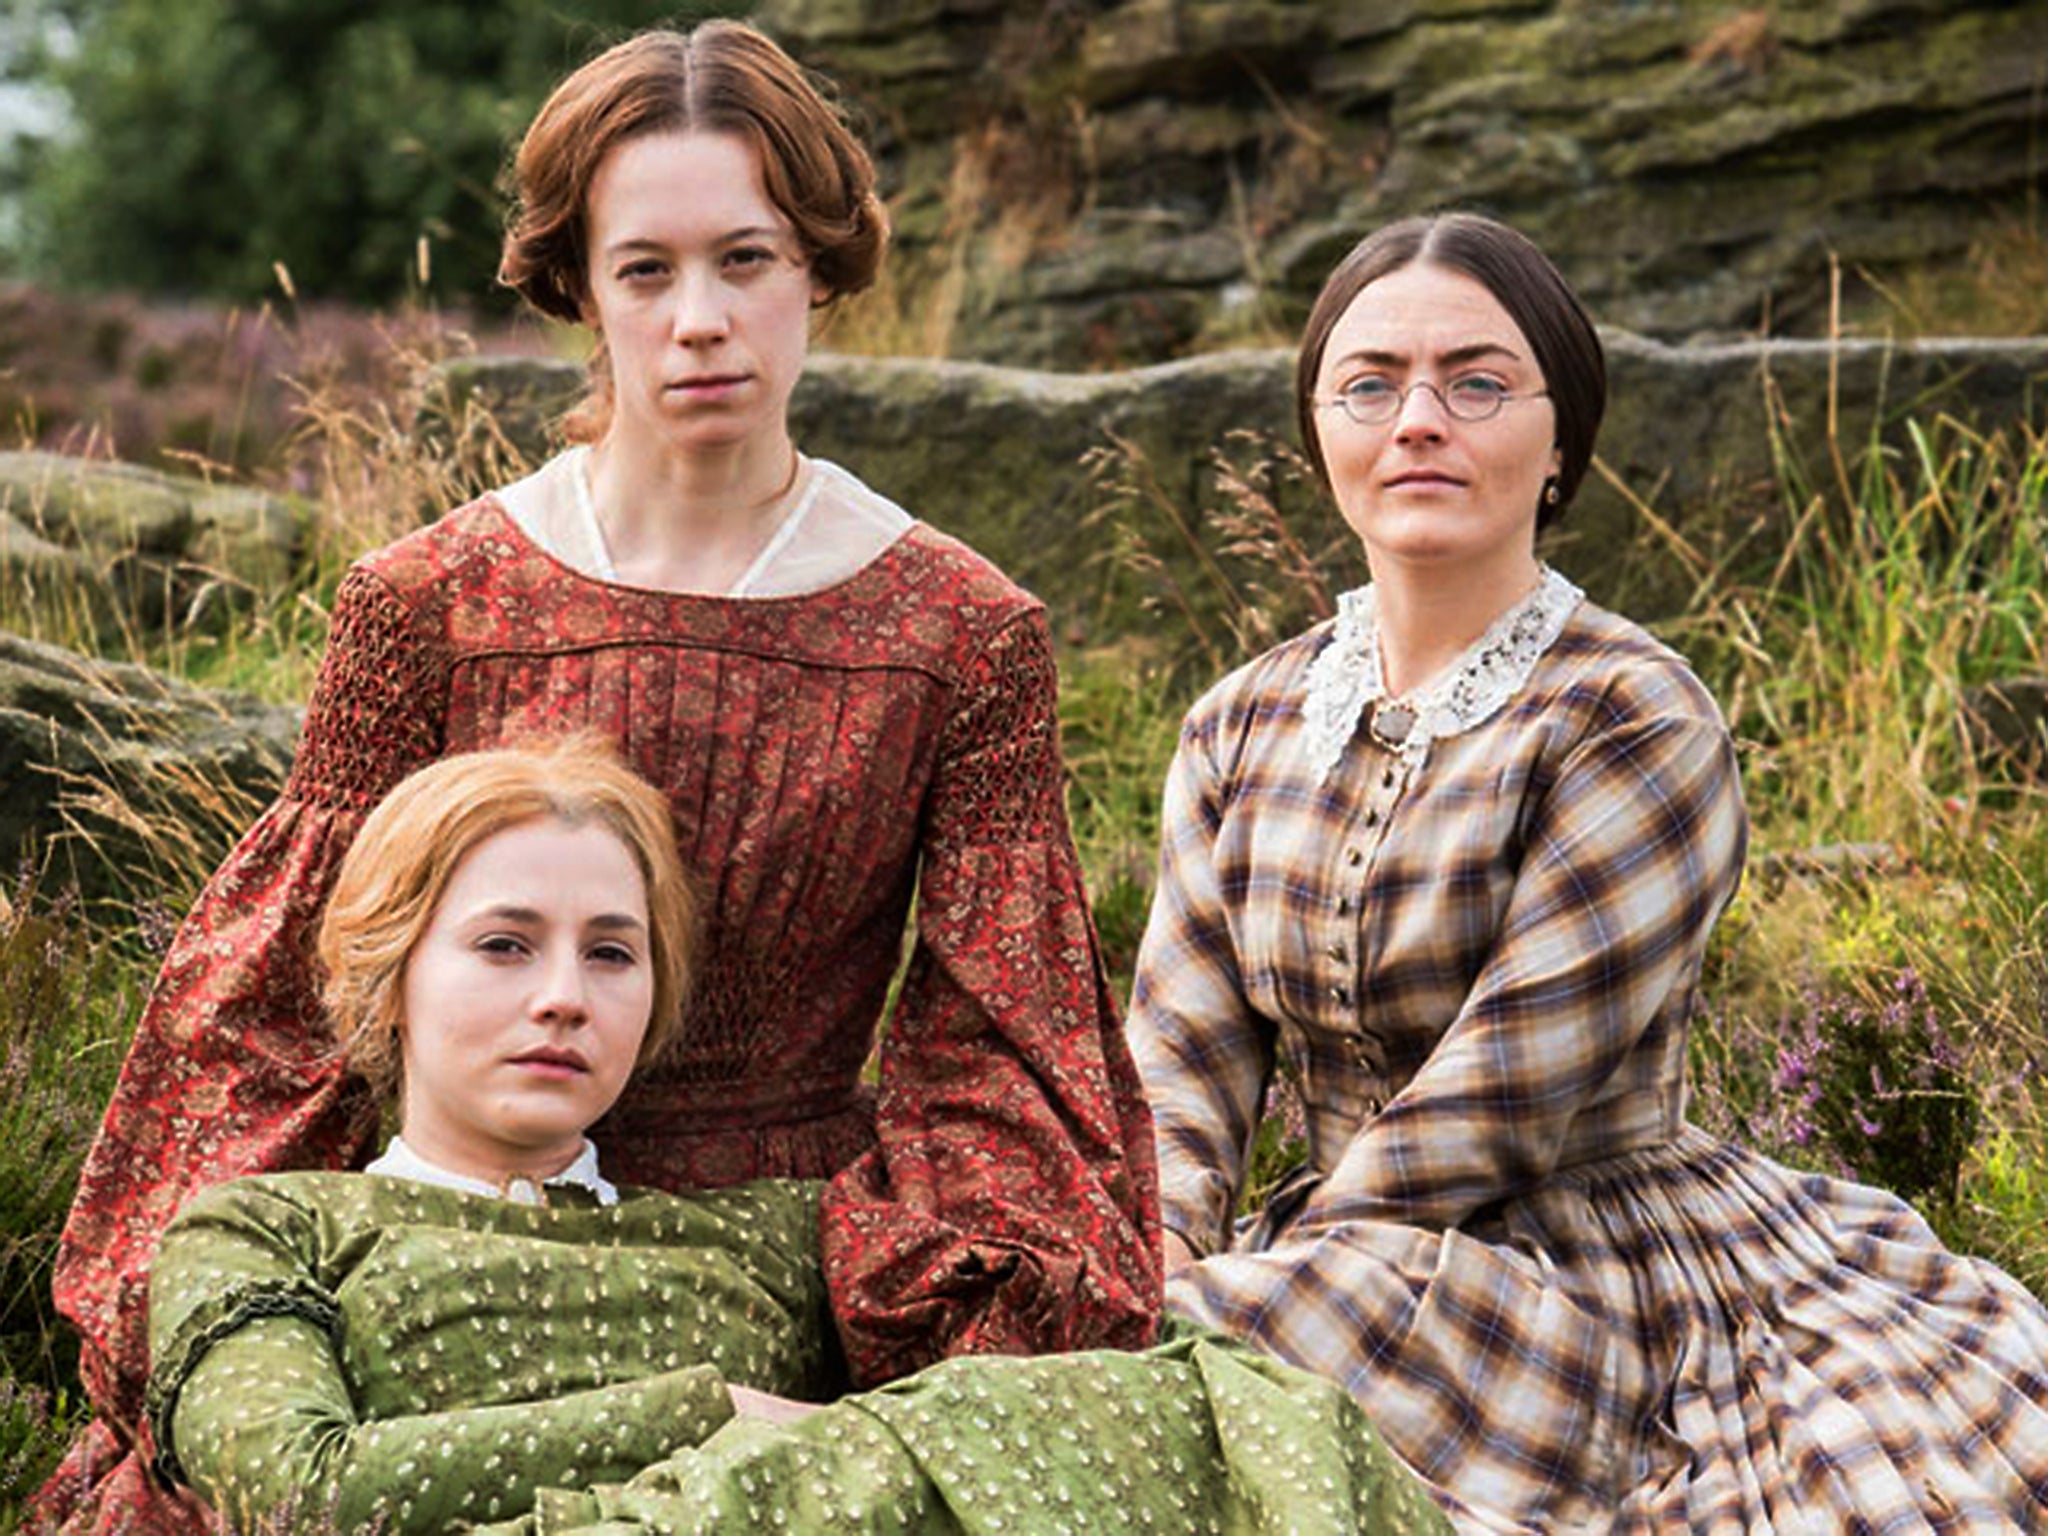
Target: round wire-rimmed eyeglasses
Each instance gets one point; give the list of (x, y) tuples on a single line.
[(1375, 402)]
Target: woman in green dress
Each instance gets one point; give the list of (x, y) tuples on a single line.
[(481, 1328)]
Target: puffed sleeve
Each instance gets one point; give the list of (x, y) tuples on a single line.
[(1205, 1054), (232, 1068), (1631, 856), (251, 1406), (1011, 1203)]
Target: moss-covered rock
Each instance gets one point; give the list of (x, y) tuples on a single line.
[(1694, 165), (135, 543), (122, 781)]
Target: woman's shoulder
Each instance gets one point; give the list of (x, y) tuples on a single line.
[(922, 558), (1620, 670), (947, 570), (1256, 690), (275, 1200), (468, 543), (933, 604)]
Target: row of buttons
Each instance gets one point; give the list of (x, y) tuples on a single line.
[(1354, 856)]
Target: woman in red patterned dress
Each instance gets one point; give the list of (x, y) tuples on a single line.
[(846, 709)]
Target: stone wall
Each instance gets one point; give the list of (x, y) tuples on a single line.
[(1111, 182), (1001, 456)]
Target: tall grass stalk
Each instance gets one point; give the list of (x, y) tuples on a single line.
[(1912, 573), (67, 991), (1119, 721), (1847, 665)]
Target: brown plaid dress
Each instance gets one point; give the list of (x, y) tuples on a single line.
[(1566, 1307)]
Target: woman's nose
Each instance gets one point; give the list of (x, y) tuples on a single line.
[(1422, 413), (560, 995), (701, 312)]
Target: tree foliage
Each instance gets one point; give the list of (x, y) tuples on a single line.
[(215, 140)]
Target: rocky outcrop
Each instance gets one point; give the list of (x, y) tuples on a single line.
[(119, 779), (107, 539), (1010, 459), (1116, 181)]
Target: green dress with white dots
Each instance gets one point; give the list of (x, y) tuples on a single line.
[(346, 1351), (349, 1352), (1198, 1435)]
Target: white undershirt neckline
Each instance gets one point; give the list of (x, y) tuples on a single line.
[(832, 527), (400, 1161), (801, 497)]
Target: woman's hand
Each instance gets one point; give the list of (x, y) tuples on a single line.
[(1179, 1255), (749, 1404)]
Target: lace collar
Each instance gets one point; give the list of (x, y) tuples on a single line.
[(401, 1162), (1344, 680)]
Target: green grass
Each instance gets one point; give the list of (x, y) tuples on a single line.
[(68, 993), (1845, 666)]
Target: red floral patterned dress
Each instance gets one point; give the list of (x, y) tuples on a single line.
[(826, 755)]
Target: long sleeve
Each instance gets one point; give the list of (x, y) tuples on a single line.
[(252, 1402), (232, 1068), (1011, 1204), (1635, 849), (1205, 1054)]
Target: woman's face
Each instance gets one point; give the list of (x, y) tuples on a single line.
[(526, 1000), (700, 289), (1425, 488)]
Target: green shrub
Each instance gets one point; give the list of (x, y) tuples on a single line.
[(217, 140)]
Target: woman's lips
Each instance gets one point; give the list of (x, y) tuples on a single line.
[(1422, 479), (553, 1063), (707, 386)]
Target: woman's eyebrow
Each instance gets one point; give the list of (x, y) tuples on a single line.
[(506, 912), (655, 243), (1455, 357)]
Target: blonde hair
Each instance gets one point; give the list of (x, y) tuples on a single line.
[(394, 874)]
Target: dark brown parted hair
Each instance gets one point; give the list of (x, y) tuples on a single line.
[(720, 77), (399, 865), (1533, 292)]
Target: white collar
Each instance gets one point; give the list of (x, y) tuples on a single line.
[(401, 1162), (799, 497), (1345, 677)]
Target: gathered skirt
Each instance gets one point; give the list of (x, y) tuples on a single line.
[(1690, 1338)]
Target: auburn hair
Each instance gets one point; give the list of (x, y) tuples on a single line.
[(720, 77)]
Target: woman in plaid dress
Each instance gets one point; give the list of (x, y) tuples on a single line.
[(1448, 862)]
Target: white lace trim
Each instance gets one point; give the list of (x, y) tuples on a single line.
[(1345, 679)]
